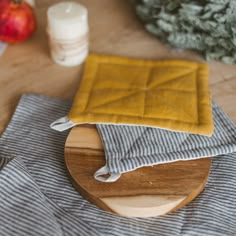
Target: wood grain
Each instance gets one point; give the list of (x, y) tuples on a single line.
[(147, 191), (114, 29)]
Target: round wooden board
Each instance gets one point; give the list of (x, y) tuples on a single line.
[(145, 192)]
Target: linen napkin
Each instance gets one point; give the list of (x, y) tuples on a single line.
[(26, 210), (37, 198), (130, 147)]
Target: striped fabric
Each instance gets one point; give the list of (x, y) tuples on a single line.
[(4, 161), (131, 147), (25, 210), (36, 197)]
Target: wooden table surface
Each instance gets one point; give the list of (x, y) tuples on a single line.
[(114, 29)]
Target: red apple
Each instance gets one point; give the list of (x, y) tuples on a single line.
[(17, 21)]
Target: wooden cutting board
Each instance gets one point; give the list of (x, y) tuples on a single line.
[(145, 192)]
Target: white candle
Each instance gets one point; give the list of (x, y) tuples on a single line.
[(68, 33)]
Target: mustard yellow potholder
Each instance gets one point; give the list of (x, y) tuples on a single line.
[(169, 94)]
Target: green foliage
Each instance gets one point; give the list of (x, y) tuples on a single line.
[(208, 26)]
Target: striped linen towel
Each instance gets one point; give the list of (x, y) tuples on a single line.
[(36, 197), (130, 147), (26, 210)]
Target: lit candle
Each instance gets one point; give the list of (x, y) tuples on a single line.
[(68, 33)]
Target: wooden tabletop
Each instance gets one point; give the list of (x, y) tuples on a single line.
[(114, 29)]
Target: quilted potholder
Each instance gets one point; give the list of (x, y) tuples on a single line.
[(130, 147), (170, 94)]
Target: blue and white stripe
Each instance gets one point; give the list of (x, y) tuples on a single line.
[(130, 147), (37, 198)]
